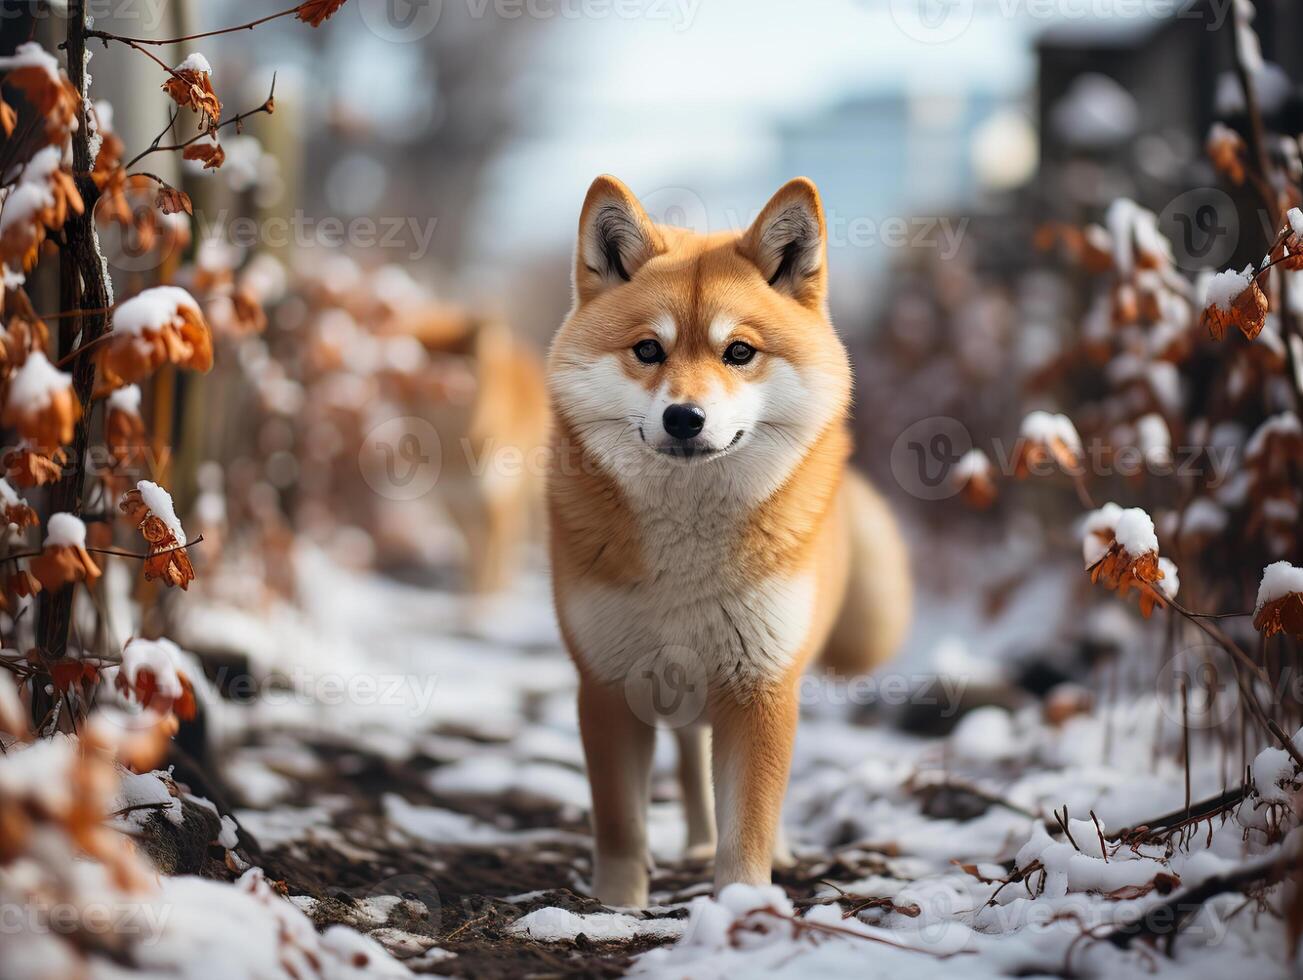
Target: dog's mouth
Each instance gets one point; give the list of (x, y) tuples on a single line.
[(688, 452)]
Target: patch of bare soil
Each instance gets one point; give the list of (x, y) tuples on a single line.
[(413, 894)]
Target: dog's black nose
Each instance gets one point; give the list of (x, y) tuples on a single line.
[(684, 421)]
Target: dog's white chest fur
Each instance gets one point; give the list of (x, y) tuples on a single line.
[(692, 598)]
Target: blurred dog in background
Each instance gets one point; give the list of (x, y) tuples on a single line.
[(487, 401)]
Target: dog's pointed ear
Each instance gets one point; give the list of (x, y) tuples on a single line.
[(615, 238), (788, 243)]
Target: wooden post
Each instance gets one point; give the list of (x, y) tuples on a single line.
[(82, 285)]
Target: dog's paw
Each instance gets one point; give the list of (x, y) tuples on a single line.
[(621, 883), (783, 859)]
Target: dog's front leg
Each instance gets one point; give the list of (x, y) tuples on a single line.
[(752, 755), (618, 748)]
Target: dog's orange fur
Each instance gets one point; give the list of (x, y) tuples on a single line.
[(492, 429), (796, 516)]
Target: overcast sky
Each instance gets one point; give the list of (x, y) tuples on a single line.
[(691, 93), (682, 92)]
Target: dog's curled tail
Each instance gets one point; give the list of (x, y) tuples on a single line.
[(876, 611)]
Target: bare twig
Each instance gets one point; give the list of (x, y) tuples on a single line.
[(1221, 637), (1103, 847), (106, 36), (1063, 825), (268, 106), (1149, 830), (804, 925), (142, 806), (72, 355), (1263, 175), (1173, 913), (116, 553), (1185, 740), (1017, 875), (1083, 493), (137, 45), (67, 314)]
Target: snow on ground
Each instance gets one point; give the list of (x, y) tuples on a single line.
[(920, 832), (432, 732)]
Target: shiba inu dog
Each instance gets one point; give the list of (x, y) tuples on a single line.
[(706, 534), (486, 400)]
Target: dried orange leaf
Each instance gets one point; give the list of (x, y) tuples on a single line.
[(190, 86), (209, 152), (35, 73), (63, 558), (1044, 437), (1279, 608), (151, 508), (29, 467), (1226, 149), (171, 200), (41, 404), (1234, 299), (162, 325), (314, 12)]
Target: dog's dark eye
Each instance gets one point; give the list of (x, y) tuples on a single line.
[(649, 352), (738, 353)]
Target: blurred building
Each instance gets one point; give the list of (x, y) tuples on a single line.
[(888, 166), (1124, 109)]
